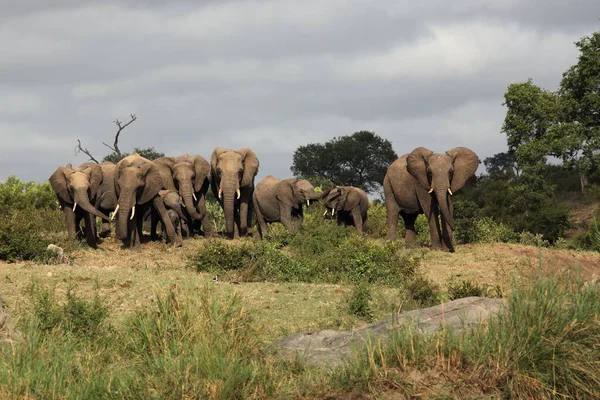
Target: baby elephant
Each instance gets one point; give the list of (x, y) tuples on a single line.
[(179, 223), (176, 212), (281, 201), (350, 203)]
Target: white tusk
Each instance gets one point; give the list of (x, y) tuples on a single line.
[(430, 190), (115, 212), (132, 212), (194, 195), (74, 206), (220, 193), (325, 213), (238, 193), (450, 191), (332, 211), (307, 202)]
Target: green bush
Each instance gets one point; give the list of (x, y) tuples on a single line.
[(590, 239), (377, 221), (424, 291), (25, 234), (485, 230), (216, 215), (218, 255), (16, 195), (358, 302), (77, 316), (464, 288)]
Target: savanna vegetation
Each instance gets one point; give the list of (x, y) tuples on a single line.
[(156, 324)]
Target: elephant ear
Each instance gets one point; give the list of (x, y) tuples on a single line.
[(350, 198), (166, 161), (285, 194), (251, 165), (59, 183), (214, 158), (202, 171), (153, 182), (416, 164), (94, 172), (465, 163)]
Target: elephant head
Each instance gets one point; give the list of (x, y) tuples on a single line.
[(295, 192), (191, 175), (442, 174), (340, 199), (232, 171), (76, 186), (138, 182), (172, 202)]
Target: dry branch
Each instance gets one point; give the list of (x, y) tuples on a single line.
[(115, 147), (78, 149)]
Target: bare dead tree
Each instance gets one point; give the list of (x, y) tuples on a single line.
[(78, 149), (114, 148)]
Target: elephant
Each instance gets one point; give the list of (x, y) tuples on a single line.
[(190, 176), (106, 198), (137, 184), (177, 222), (281, 201), (351, 204), (172, 201), (422, 182), (75, 188), (232, 182)]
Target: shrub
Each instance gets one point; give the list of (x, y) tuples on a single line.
[(590, 239), (218, 255), (77, 316), (424, 291), (16, 195), (216, 215), (25, 234), (358, 302), (485, 230), (377, 220), (464, 288)]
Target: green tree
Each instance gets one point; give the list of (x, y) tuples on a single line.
[(577, 139), (149, 152), (360, 159), (502, 165)]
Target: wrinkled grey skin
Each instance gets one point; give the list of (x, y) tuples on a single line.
[(350, 203), (281, 201), (79, 185), (137, 184), (172, 201), (189, 175), (422, 182), (232, 171), (178, 223), (106, 198)]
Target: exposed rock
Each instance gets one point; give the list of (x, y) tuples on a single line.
[(331, 347), (61, 257)]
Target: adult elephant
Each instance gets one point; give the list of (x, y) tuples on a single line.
[(138, 183), (232, 181), (74, 188), (106, 198), (423, 182), (282, 201), (190, 176), (351, 204)]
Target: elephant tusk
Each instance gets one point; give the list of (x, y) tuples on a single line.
[(307, 202), (332, 211), (132, 212), (194, 196), (430, 190), (450, 191), (220, 193), (115, 212), (74, 206), (237, 192), (325, 213)]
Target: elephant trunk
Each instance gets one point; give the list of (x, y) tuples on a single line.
[(441, 194), (126, 202), (188, 202), (82, 200)]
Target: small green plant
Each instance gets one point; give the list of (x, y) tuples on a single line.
[(218, 255), (423, 291), (464, 288), (359, 301)]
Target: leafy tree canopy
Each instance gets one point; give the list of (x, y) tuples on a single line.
[(360, 160), (147, 152)]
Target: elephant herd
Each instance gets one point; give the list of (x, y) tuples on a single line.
[(172, 191)]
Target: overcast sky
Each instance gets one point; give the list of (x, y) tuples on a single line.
[(269, 75)]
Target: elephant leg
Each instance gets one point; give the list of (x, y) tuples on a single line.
[(133, 235), (154, 219), (357, 219), (70, 221), (260, 220), (90, 232), (162, 212), (105, 230), (434, 228), (393, 212), (285, 217), (206, 223), (243, 217), (410, 235)]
